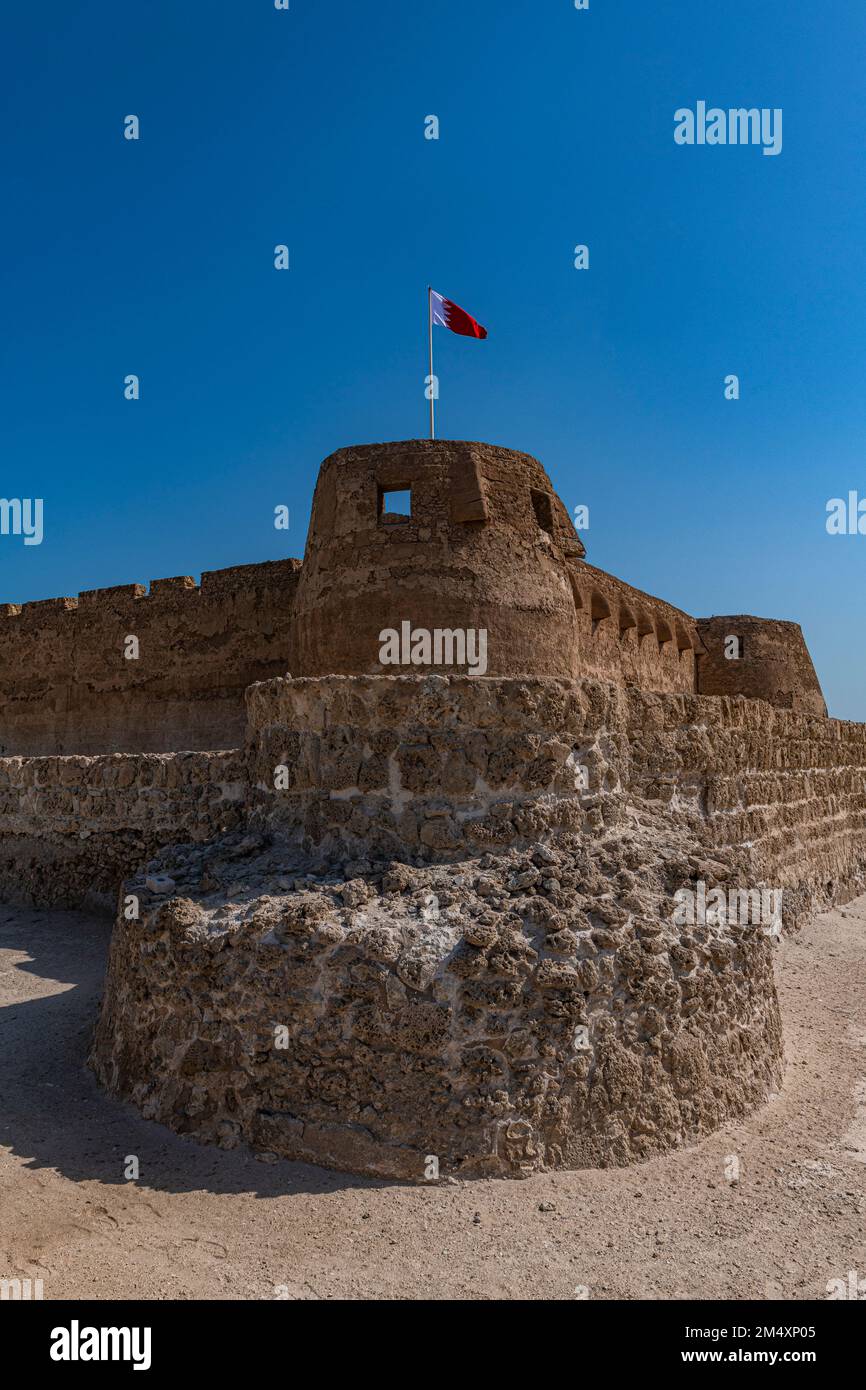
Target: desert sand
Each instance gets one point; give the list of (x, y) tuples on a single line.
[(200, 1223)]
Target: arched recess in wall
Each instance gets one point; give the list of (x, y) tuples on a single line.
[(645, 631), (685, 647), (665, 638), (599, 609), (581, 612), (627, 621)]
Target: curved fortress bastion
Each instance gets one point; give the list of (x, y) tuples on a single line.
[(405, 919)]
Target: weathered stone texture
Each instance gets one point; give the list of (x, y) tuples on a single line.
[(435, 909), (514, 1012), (72, 828), (789, 787), (440, 767), (67, 687), (435, 766)]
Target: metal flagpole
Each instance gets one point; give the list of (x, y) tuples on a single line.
[(430, 383)]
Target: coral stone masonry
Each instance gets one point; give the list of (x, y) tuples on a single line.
[(424, 917)]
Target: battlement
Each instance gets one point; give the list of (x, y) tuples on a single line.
[(71, 681), (238, 581)]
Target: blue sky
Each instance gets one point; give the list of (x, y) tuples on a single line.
[(306, 127)]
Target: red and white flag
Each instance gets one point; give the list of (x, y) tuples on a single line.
[(450, 315)]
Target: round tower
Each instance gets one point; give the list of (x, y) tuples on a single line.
[(436, 537), (761, 658)]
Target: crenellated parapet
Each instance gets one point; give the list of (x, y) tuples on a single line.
[(125, 669)]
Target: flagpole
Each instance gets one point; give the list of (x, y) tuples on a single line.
[(430, 384)]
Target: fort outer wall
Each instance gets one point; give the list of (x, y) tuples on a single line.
[(443, 768), (66, 686), (72, 828), (625, 635), (473, 910)]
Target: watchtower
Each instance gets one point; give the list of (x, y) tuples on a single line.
[(442, 534)]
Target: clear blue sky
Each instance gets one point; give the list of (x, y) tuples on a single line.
[(306, 127)]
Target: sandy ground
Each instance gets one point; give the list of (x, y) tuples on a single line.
[(201, 1223)]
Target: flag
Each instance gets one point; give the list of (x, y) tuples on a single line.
[(450, 315)]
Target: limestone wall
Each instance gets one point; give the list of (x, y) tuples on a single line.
[(460, 915), (789, 786), (67, 687), (431, 766), (522, 1009), (439, 767), (72, 828)]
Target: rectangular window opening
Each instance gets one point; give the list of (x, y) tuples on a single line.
[(395, 505)]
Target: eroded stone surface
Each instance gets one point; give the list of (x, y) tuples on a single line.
[(510, 1012), (509, 995)]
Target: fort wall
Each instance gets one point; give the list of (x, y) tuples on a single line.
[(67, 687), (784, 787), (474, 952), (72, 828), (631, 637), (439, 768)]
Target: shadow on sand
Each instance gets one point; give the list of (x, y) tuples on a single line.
[(53, 1114)]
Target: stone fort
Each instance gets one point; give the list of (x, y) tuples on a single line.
[(427, 923)]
